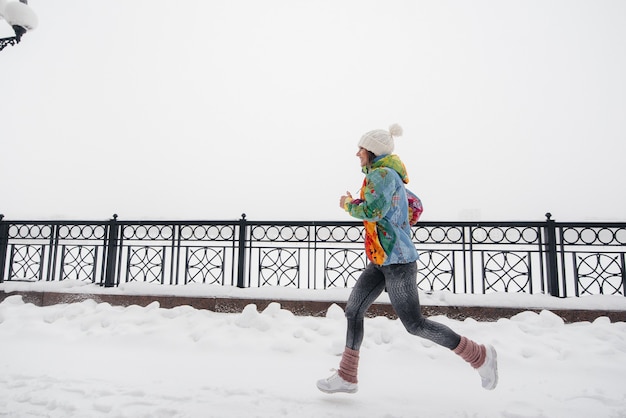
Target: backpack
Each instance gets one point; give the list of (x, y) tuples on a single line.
[(415, 207)]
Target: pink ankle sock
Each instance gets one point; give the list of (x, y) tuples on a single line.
[(349, 365), (471, 352)]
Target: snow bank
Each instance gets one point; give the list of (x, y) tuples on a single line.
[(92, 359)]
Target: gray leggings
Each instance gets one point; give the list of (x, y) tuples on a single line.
[(400, 281)]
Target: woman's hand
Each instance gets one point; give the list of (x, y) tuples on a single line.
[(344, 198)]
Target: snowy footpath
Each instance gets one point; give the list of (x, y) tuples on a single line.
[(92, 359)]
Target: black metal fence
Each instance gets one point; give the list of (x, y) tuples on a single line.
[(560, 259)]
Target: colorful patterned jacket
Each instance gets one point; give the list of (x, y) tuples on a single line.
[(383, 207)]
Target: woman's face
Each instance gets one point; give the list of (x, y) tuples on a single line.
[(363, 156)]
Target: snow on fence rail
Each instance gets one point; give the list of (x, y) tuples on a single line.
[(560, 259)]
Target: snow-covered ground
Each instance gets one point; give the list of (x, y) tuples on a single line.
[(92, 359)]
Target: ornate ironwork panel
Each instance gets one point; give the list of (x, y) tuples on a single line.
[(78, 263), (27, 262), (279, 267), (343, 267), (207, 263), (597, 254), (436, 271), (506, 271), (204, 265), (145, 264), (599, 273)]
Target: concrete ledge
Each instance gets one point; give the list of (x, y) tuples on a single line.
[(302, 307)]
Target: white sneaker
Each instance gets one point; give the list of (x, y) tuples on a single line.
[(335, 383), (489, 370)]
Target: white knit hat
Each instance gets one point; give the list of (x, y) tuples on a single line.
[(379, 141)]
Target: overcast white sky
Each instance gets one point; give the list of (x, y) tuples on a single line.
[(205, 110)]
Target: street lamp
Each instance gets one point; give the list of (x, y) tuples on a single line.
[(20, 17)]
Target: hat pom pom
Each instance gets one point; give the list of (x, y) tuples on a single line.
[(395, 130)]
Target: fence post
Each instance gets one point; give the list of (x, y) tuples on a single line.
[(4, 245), (111, 254), (551, 257), (241, 245)]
